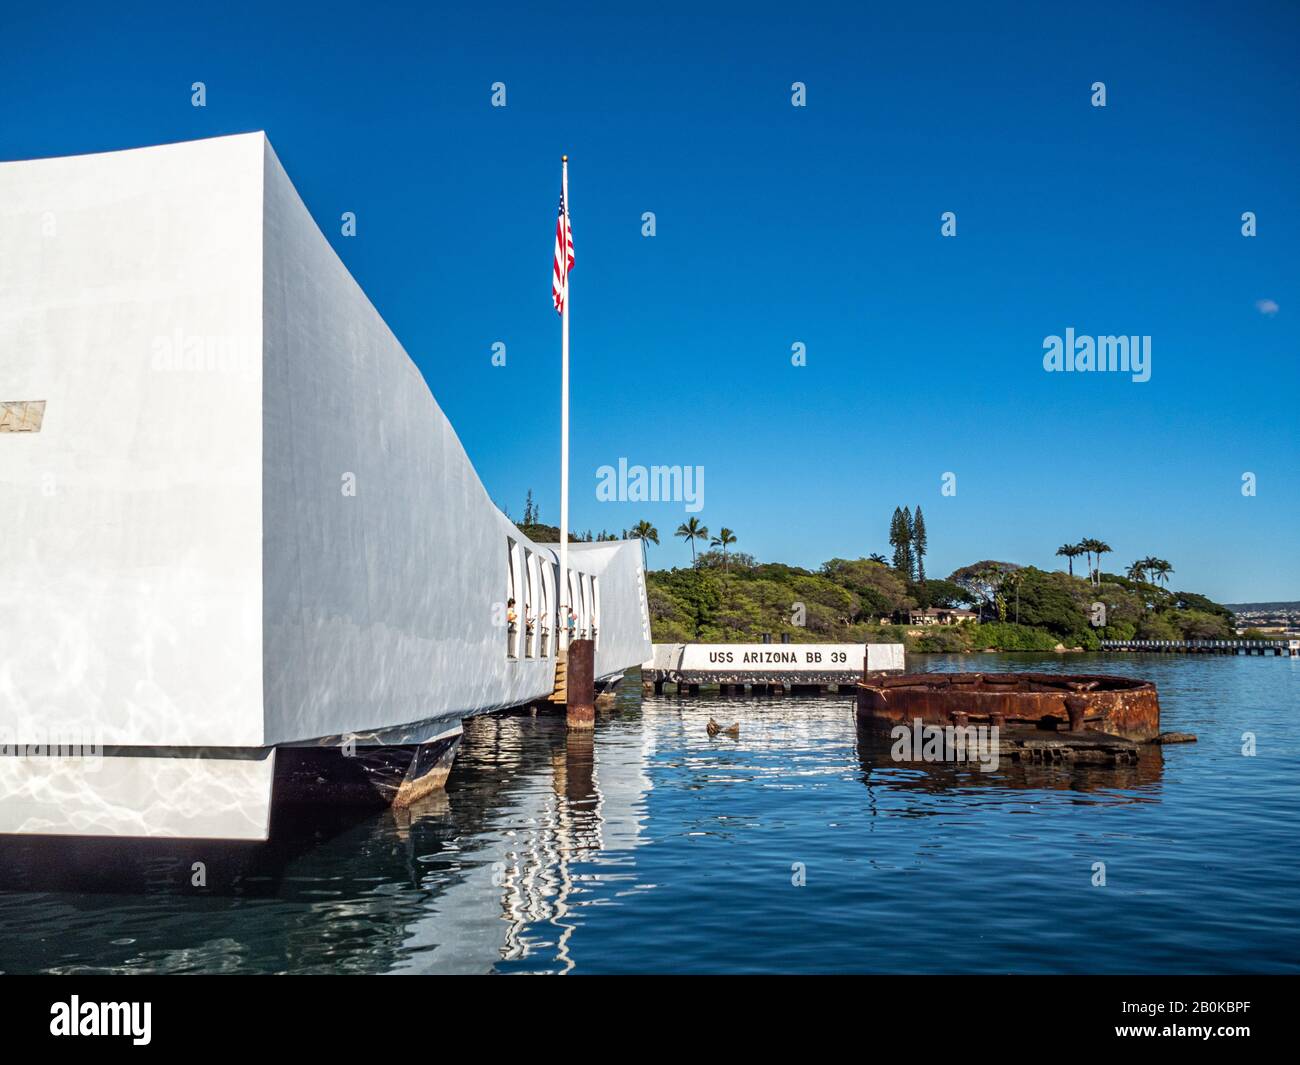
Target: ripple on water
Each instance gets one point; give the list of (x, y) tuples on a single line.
[(796, 847)]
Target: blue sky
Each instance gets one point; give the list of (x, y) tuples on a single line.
[(777, 225)]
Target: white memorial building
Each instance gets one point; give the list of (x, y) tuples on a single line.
[(235, 527)]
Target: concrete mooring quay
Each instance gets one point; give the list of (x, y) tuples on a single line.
[(768, 669)]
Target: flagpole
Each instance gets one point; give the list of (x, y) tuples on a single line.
[(564, 420)]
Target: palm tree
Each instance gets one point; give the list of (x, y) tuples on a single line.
[(878, 557), (1085, 547), (1099, 548), (646, 533), (725, 537), (1162, 569), (690, 532), (1137, 571), (1146, 568), (1070, 552), (1090, 547)]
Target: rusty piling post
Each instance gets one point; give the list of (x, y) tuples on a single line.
[(581, 685)]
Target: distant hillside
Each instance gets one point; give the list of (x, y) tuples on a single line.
[(1237, 608), (728, 598)]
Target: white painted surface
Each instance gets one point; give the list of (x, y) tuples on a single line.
[(386, 607), (179, 563), (623, 641), (180, 794), (130, 537)]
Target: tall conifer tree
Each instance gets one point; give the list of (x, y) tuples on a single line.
[(919, 544), (909, 531), (898, 540)]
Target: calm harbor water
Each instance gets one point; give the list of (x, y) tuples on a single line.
[(651, 847)]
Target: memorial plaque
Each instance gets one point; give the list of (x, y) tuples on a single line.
[(791, 663)]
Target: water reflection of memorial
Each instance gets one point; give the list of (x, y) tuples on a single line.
[(493, 871)]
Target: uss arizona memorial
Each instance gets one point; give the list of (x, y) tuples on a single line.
[(277, 573)]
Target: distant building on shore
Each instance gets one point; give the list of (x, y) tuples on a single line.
[(941, 615)]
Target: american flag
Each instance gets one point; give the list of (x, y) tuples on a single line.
[(563, 258)]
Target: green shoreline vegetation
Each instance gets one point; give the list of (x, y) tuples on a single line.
[(726, 597), (863, 601)]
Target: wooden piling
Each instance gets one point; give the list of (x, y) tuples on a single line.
[(580, 702)]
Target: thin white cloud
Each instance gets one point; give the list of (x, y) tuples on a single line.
[(1266, 307)]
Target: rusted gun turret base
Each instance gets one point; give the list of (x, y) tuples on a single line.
[(1119, 707), (1041, 747)]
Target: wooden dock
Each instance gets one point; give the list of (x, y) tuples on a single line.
[(1278, 648)]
